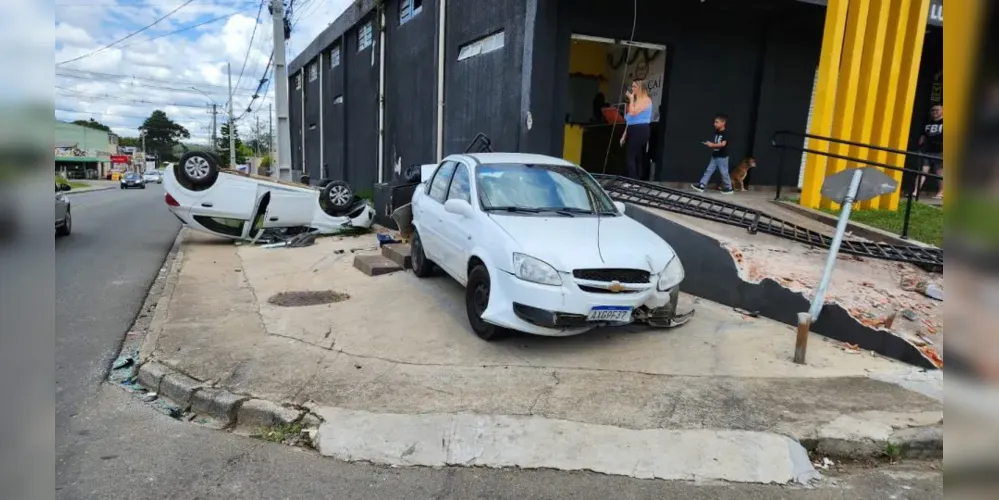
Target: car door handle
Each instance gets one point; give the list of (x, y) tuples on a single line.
[(208, 205), (274, 219)]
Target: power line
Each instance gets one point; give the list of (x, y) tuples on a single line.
[(172, 81), (158, 87), (186, 28), (134, 101), (249, 47), (130, 35)]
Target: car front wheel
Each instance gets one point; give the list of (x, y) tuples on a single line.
[(422, 267), (67, 225), (336, 198), (476, 302), (197, 170)]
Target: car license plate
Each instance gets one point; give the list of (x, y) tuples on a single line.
[(610, 313)]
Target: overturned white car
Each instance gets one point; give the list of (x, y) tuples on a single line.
[(540, 247), (239, 206)]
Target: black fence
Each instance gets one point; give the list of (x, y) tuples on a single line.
[(777, 142)]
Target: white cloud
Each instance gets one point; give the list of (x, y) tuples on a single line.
[(160, 71)]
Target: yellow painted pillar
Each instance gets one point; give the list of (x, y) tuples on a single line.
[(961, 49), (825, 100), (868, 70)]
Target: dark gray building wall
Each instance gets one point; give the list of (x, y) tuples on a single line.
[(333, 118), (361, 108), (713, 66), (313, 139), (296, 120), (410, 90), (483, 93)]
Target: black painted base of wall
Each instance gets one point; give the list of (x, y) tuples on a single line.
[(711, 273)]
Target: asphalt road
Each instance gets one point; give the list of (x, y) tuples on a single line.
[(109, 445)]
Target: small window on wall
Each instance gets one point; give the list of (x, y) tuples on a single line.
[(335, 57), (364, 36), (481, 46), (409, 9), (298, 81), (313, 72)]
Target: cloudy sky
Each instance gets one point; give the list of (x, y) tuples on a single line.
[(173, 64)]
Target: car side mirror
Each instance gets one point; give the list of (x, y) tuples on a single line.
[(458, 207), (65, 187), (620, 206)]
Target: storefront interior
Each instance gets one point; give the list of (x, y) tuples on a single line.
[(600, 70)]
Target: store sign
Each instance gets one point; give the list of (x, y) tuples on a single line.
[(119, 159), (935, 17)]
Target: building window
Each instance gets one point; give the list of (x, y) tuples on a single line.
[(313, 72), (481, 46), (298, 81), (364, 36), (408, 9), (335, 57)]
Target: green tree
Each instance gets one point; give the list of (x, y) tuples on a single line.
[(130, 141), (223, 146), (162, 134), (94, 124), (260, 138)]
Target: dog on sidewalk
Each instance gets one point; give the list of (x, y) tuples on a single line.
[(740, 172)]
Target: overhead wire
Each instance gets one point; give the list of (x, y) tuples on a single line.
[(249, 46), (186, 28), (170, 81), (128, 100), (624, 75), (157, 87), (126, 37)]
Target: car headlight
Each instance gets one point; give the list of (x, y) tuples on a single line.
[(671, 276), (534, 270)]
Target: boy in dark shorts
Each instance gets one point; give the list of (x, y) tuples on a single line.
[(719, 157), (932, 144)]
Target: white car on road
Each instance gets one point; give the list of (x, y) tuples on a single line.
[(153, 176), (540, 247), (239, 206)]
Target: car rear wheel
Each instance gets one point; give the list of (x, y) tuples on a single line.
[(422, 267), (67, 225), (476, 302), (197, 170), (336, 198)]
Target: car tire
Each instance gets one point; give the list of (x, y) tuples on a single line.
[(336, 198), (197, 170), (67, 225), (422, 266), (476, 301)]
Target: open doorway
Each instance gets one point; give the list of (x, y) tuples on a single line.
[(600, 70)]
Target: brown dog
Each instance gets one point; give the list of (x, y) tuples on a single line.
[(740, 172)]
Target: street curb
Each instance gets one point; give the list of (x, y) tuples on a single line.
[(148, 346), (94, 190)]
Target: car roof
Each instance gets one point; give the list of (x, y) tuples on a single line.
[(525, 158)]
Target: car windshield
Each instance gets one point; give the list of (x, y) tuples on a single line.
[(131, 176), (536, 188)]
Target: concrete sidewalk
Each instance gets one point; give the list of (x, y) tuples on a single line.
[(399, 351)]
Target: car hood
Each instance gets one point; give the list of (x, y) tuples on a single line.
[(571, 243)]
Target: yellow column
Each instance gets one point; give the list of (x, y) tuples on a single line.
[(825, 99), (961, 49), (867, 80), (844, 114)]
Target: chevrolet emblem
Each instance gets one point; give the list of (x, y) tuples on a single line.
[(616, 287)]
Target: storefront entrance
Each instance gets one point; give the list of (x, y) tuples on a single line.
[(600, 70)]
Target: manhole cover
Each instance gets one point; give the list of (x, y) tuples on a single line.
[(313, 298)]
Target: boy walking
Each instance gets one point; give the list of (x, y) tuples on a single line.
[(719, 157)]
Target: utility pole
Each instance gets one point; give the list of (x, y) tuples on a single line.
[(142, 168), (280, 76), (270, 135), (256, 137), (215, 142), (232, 129)]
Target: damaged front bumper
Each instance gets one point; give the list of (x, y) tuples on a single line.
[(565, 323)]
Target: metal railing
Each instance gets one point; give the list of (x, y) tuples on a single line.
[(910, 197)]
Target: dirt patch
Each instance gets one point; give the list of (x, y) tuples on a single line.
[(307, 298)]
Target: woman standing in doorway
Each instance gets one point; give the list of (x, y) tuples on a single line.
[(638, 115)]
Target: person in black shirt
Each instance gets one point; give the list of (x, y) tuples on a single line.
[(719, 157), (931, 142)]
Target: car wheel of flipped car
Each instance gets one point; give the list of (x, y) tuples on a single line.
[(197, 170), (67, 225), (476, 301), (422, 267), (336, 198)]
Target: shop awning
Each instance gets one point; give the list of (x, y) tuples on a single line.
[(81, 159)]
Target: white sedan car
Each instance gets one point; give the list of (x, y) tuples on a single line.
[(540, 247), (239, 206), (153, 176)]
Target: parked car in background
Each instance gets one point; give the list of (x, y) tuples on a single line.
[(132, 180), (239, 206), (63, 214), (540, 247), (153, 176)]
